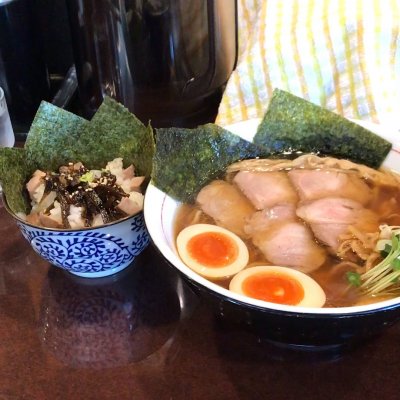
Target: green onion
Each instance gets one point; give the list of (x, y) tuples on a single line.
[(354, 278), (88, 177)]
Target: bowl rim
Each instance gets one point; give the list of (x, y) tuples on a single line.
[(155, 199), (62, 230)]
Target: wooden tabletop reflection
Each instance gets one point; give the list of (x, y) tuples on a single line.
[(144, 334)]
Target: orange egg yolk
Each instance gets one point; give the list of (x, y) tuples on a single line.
[(275, 288), (212, 249)]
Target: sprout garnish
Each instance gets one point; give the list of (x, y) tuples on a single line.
[(386, 274)]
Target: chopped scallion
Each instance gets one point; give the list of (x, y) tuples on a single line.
[(88, 177), (354, 278)]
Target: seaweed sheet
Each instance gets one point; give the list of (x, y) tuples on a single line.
[(187, 159), (14, 171), (120, 134), (58, 136), (292, 124), (53, 137)]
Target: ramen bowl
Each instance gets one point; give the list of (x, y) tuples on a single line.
[(302, 327), (292, 325), (89, 252)]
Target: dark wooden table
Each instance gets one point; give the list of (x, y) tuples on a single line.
[(143, 334)]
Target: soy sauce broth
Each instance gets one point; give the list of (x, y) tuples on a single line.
[(331, 276)]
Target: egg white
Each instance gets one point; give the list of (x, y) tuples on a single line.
[(211, 272), (314, 295)]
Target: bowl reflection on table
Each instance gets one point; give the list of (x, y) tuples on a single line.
[(300, 327), (88, 252), (112, 321)]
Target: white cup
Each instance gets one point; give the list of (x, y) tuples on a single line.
[(7, 138)]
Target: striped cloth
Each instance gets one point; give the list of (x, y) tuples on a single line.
[(341, 54)]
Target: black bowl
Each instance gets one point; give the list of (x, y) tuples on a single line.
[(309, 331), (301, 327)]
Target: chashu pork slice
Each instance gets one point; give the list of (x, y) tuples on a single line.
[(313, 184), (291, 244), (264, 219), (225, 203), (330, 217), (266, 189)]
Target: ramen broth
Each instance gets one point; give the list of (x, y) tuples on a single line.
[(331, 275)]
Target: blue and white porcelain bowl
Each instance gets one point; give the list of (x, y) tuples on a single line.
[(89, 252)]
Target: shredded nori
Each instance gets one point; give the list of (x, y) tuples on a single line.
[(101, 195), (292, 124), (187, 159)]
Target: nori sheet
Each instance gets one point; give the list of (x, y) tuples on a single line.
[(121, 134), (187, 159), (58, 136), (14, 172), (53, 137), (292, 124)]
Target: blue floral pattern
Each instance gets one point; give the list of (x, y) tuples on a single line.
[(88, 251)]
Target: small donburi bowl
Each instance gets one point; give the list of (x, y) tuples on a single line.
[(88, 252)]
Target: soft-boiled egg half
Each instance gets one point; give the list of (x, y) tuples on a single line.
[(212, 251), (280, 285)]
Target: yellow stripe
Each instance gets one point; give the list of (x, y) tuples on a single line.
[(256, 6), (253, 83), (267, 77), (379, 20), (338, 95), (361, 57), (227, 116), (395, 10), (315, 63), (242, 103), (393, 47), (278, 45), (348, 54), (395, 32), (378, 16), (246, 15), (249, 63), (297, 60)]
